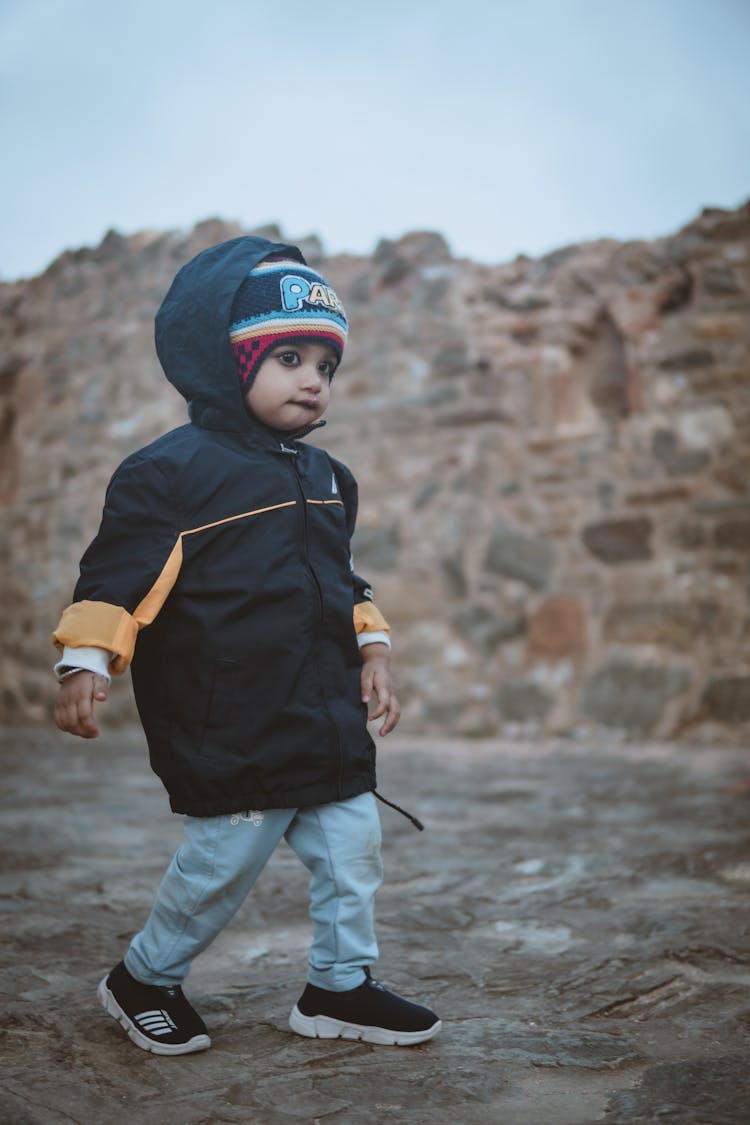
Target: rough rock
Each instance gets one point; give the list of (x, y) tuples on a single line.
[(576, 911), (571, 431), (512, 554), (630, 696), (728, 698), (557, 630), (617, 541)]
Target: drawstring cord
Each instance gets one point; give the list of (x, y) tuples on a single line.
[(417, 823)]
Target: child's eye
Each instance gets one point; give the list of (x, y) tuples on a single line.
[(327, 368), (289, 359)]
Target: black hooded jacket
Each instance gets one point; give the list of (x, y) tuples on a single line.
[(224, 549)]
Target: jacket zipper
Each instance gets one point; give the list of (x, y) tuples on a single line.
[(293, 454), (305, 538)]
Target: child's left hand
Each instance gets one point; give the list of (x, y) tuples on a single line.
[(376, 678)]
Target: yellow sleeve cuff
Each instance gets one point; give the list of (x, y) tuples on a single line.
[(111, 627), (100, 625), (369, 619)]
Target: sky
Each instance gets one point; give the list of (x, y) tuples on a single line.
[(510, 126)]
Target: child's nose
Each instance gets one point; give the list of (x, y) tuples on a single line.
[(311, 376)]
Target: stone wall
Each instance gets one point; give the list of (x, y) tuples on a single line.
[(553, 454)]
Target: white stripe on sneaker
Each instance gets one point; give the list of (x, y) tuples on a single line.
[(155, 1022)]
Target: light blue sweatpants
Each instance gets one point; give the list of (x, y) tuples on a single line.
[(212, 873)]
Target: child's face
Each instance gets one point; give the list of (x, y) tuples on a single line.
[(292, 386)]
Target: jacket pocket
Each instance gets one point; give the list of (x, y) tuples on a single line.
[(220, 721)]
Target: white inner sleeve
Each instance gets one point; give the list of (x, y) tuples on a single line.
[(85, 658), (374, 638)]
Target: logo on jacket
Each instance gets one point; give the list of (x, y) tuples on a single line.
[(298, 291)]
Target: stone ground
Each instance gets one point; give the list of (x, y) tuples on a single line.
[(577, 913)]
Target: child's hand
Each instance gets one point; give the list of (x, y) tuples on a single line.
[(376, 677), (74, 710)]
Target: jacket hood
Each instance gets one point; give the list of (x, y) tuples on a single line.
[(192, 329)]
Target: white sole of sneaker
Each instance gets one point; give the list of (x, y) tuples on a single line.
[(324, 1027), (110, 1005)]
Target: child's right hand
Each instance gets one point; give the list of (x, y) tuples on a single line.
[(74, 710)]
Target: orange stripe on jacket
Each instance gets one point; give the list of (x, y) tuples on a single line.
[(101, 625)]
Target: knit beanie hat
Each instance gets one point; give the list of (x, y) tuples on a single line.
[(280, 300)]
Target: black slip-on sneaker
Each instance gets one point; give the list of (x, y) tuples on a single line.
[(156, 1017), (369, 1012)]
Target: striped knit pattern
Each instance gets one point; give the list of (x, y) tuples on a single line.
[(282, 300)]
